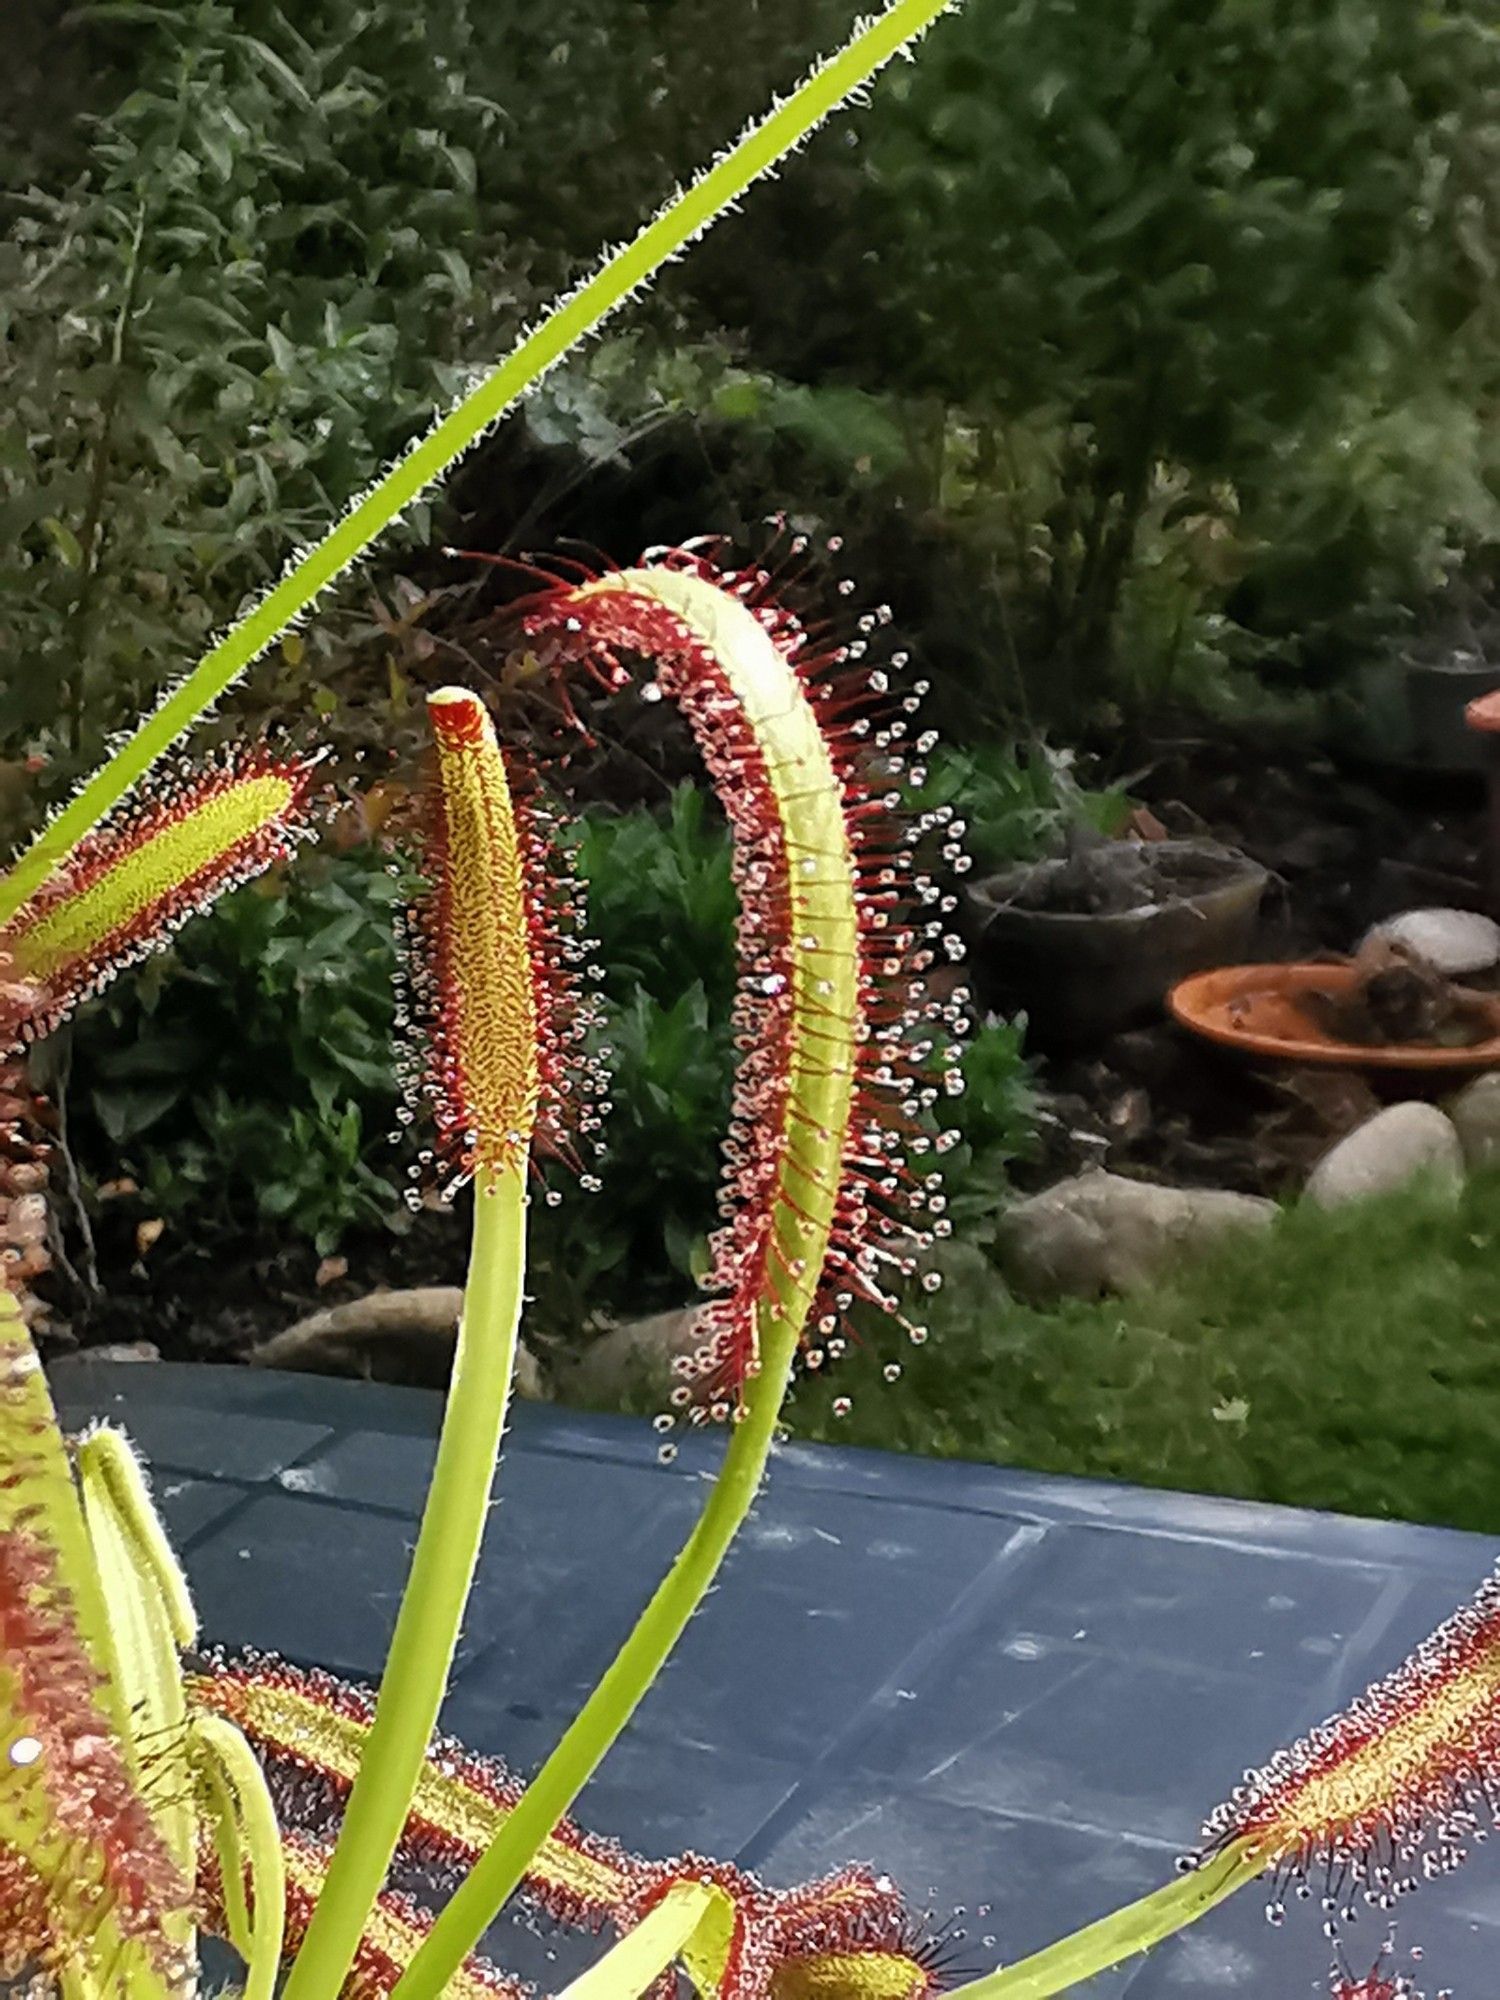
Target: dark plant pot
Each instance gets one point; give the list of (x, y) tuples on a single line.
[(1410, 713), (1082, 977), (1436, 699)]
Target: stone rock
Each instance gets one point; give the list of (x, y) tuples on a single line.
[(1476, 1117), (121, 1350), (1386, 1152), (635, 1358), (1454, 941), (393, 1336), (1101, 1232)]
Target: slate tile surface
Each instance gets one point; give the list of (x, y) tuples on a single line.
[(1017, 1694)]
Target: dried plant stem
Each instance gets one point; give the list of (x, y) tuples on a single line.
[(1134, 1929), (437, 1589)]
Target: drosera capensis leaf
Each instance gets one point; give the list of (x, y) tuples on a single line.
[(134, 880), (826, 936), (89, 1885), (482, 941), (846, 1937)]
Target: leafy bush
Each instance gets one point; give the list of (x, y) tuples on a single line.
[(1019, 808), (661, 900), (1174, 231), (255, 289), (244, 1078), (268, 273), (995, 1119)]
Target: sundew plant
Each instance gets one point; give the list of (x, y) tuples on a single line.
[(151, 1789)]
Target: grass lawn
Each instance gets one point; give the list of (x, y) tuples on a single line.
[(1347, 1360)]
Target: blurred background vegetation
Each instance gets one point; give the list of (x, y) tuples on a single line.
[(1145, 360)]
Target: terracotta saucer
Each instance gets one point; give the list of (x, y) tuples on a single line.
[(1261, 1010)]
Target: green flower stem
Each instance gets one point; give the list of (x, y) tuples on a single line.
[(437, 1589), (571, 320), (1134, 1929), (493, 1878)]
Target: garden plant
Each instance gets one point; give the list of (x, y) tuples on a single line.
[(150, 1790)]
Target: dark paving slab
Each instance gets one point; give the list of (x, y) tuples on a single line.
[(1017, 1694)]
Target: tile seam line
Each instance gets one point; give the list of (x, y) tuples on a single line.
[(926, 1653)]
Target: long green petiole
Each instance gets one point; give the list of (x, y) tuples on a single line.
[(437, 1590), (569, 322), (1114, 1938), (494, 1877)]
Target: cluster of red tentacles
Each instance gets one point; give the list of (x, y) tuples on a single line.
[(570, 1080), (1395, 1788), (296, 1720), (25, 1143), (1381, 1982), (59, 1737), (393, 1931), (168, 897), (889, 1200)]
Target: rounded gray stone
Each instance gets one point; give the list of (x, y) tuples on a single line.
[(1386, 1152), (1454, 941), (1476, 1116)]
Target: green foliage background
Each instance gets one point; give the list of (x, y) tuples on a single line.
[(1139, 356), (1348, 1363), (1178, 354)]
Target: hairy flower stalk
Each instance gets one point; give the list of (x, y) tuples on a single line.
[(619, 276), (827, 939), (488, 988)]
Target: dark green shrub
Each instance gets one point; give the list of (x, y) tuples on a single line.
[(1167, 235), (1019, 807), (244, 1078), (267, 275), (661, 901)]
